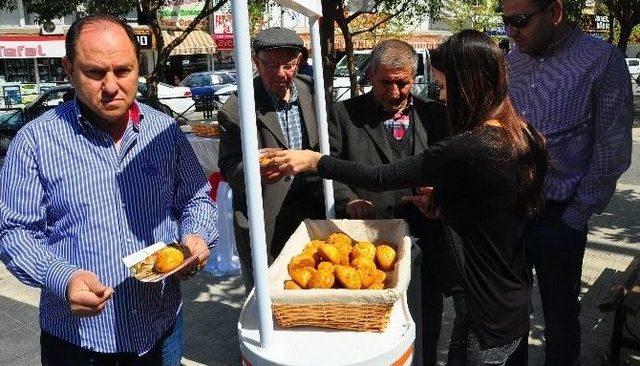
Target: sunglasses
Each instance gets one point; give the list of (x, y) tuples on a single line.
[(522, 20)]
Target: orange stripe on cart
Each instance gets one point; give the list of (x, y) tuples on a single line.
[(403, 359)]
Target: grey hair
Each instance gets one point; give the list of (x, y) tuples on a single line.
[(394, 54)]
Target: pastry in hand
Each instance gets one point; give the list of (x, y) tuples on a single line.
[(386, 257), (363, 249), (321, 279), (348, 277), (167, 259)]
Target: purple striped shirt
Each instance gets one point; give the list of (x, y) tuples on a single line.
[(578, 95)]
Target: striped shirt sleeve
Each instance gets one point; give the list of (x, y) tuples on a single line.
[(613, 117), (23, 246)]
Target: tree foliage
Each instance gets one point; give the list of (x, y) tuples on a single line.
[(358, 23), (627, 13), (480, 15)]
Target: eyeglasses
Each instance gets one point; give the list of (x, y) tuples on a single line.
[(522, 20), (275, 66)]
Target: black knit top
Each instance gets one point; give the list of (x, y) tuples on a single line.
[(475, 182)]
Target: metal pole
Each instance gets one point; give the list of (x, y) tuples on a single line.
[(321, 110), (247, 109)]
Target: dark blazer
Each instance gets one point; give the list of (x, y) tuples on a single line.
[(356, 133), (283, 212)]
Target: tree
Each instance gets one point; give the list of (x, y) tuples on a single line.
[(627, 13), (48, 10), (335, 11), (481, 15)]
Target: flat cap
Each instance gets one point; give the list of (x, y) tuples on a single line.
[(277, 37)]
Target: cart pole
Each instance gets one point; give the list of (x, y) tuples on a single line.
[(321, 110), (247, 112)]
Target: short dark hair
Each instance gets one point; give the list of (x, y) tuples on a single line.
[(78, 25)]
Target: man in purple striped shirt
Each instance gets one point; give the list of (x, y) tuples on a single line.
[(575, 89)]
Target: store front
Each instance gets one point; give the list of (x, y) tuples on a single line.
[(31, 59), (28, 65)]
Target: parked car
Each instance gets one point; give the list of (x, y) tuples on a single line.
[(210, 84), (178, 98), (634, 66), (12, 120)]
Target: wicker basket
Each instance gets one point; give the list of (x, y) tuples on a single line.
[(205, 129), (358, 310)]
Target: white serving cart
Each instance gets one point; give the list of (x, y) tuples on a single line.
[(262, 343)]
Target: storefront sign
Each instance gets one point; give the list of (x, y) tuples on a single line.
[(31, 49), (29, 92), (597, 25), (178, 14), (144, 40), (223, 31)]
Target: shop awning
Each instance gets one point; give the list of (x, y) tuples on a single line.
[(197, 42)]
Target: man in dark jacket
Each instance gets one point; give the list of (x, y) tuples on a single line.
[(285, 118), (382, 126)]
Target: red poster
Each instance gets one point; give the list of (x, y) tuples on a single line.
[(223, 31)]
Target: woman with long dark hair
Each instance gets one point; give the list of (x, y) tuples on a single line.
[(487, 182)]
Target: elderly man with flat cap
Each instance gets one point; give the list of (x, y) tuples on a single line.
[(285, 118)]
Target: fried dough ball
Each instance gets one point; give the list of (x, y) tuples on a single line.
[(291, 285), (380, 275), (311, 251), (376, 286), (339, 238), (363, 263), (330, 253), (314, 244), (321, 279), (326, 266), (168, 259), (386, 257), (367, 278), (345, 248), (301, 261), (302, 276), (265, 160), (363, 249), (348, 277)]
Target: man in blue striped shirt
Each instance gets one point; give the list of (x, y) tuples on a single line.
[(576, 90), (90, 182)]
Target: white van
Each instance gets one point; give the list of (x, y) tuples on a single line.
[(634, 66), (342, 86)]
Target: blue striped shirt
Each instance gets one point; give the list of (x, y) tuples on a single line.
[(578, 95), (70, 200)]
